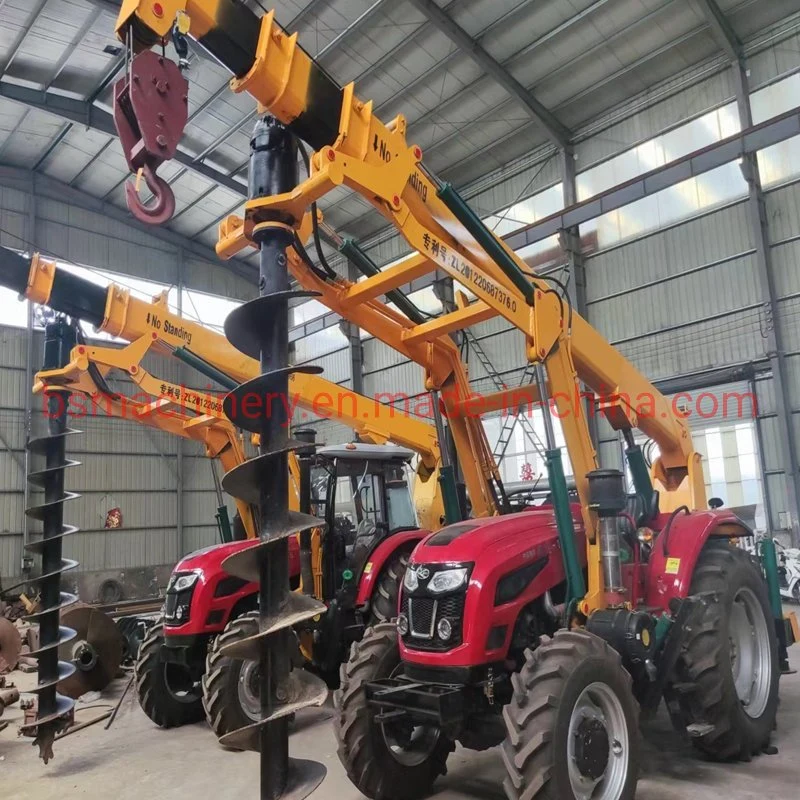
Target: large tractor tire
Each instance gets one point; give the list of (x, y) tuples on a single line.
[(393, 760), (572, 723), (167, 692), (383, 606), (727, 685), (231, 696)]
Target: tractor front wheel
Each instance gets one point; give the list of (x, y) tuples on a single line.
[(571, 726), (231, 696), (168, 693), (727, 685), (393, 760), (383, 606)]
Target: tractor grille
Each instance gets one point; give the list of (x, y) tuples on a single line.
[(424, 613), (176, 607)]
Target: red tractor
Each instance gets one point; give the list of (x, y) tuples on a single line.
[(479, 654), (362, 492)]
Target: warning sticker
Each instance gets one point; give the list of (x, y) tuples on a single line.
[(673, 566)]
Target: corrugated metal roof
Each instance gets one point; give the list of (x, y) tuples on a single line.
[(579, 57)]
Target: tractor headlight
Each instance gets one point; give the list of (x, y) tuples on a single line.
[(447, 580), (181, 583), (411, 581), (444, 629), (402, 624)]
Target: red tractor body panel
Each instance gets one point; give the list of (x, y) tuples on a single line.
[(670, 574), (378, 558), (216, 593), (495, 547)]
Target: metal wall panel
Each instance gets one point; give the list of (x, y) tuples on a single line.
[(336, 366)]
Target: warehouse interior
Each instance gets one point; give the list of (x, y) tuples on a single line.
[(641, 156)]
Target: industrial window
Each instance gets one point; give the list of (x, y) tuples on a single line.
[(780, 162), (524, 457), (208, 309)]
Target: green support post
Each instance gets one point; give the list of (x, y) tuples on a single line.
[(452, 508), (769, 563), (576, 586), (224, 524)]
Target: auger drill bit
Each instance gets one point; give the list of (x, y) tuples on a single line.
[(53, 712), (260, 329)]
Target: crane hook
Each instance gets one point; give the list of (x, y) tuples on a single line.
[(161, 208)]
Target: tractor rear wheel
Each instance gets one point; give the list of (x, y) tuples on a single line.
[(572, 723), (231, 696), (727, 684), (388, 761), (168, 693), (383, 605)]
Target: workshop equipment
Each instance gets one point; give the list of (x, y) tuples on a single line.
[(493, 644), (358, 572), (10, 645), (95, 651)]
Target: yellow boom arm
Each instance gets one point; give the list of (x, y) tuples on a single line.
[(354, 148)]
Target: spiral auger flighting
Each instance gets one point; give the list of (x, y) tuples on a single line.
[(54, 710), (260, 329)]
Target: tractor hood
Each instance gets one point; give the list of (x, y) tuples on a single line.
[(470, 540), (209, 560)]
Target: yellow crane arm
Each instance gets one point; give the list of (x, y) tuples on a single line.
[(356, 149)]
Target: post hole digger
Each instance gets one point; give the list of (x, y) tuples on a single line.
[(525, 630), (354, 562)]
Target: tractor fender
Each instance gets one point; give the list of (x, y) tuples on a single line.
[(378, 558), (669, 574)]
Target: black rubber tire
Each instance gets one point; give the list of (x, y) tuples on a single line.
[(383, 604), (538, 716), (362, 748), (705, 687), (223, 709), (155, 698)]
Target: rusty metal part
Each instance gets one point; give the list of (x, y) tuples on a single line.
[(150, 123), (95, 652), (81, 725), (10, 645), (8, 696)]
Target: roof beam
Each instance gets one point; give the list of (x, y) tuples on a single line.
[(501, 21), (15, 47), (722, 29), (42, 185), (558, 133), (79, 111)]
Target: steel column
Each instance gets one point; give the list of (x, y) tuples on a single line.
[(775, 350), (570, 241), (181, 544), (27, 559)]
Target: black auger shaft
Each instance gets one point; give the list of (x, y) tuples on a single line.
[(53, 709), (260, 329)]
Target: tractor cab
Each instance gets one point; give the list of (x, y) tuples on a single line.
[(363, 492)]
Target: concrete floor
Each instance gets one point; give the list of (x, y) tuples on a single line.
[(135, 760)]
